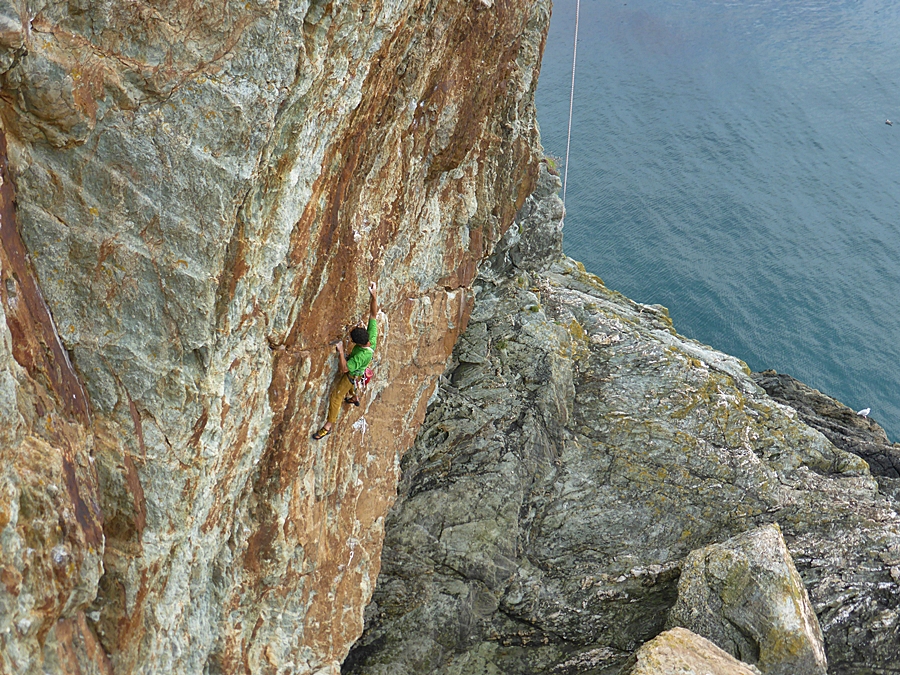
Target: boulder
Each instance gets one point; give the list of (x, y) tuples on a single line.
[(678, 651), (746, 596)]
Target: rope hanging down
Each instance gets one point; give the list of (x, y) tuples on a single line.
[(571, 102)]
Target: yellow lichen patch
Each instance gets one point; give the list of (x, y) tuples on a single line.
[(576, 330)]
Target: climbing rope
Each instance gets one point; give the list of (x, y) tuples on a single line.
[(571, 102)]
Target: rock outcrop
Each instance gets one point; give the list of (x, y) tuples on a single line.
[(194, 197), (577, 451), (746, 597), (842, 426), (203, 191), (678, 651)]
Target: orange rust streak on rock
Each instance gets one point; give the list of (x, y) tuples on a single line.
[(137, 493), (227, 471), (138, 427), (78, 649), (199, 426), (89, 521), (32, 313)]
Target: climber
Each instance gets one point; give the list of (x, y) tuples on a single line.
[(355, 371)]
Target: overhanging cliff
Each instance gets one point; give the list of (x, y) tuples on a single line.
[(203, 191)]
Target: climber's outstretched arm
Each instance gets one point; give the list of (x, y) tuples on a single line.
[(339, 348), (373, 303)]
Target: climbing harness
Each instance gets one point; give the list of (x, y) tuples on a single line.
[(361, 381), (571, 103)]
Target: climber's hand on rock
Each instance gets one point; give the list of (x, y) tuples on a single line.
[(373, 301)]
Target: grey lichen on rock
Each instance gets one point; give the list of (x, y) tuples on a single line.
[(678, 651), (746, 596)]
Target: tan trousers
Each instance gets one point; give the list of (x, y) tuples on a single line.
[(341, 388)]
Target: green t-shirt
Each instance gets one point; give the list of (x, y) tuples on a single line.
[(361, 357)]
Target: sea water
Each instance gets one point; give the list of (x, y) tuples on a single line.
[(731, 161)]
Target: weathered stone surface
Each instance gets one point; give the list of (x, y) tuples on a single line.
[(577, 451), (72, 648), (204, 191), (746, 596), (678, 651), (51, 541)]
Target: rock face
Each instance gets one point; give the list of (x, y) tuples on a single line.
[(577, 451), (746, 596), (202, 192), (680, 652)]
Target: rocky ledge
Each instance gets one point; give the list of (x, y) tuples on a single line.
[(577, 452)]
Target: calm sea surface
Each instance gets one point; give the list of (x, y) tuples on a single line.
[(731, 161)]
